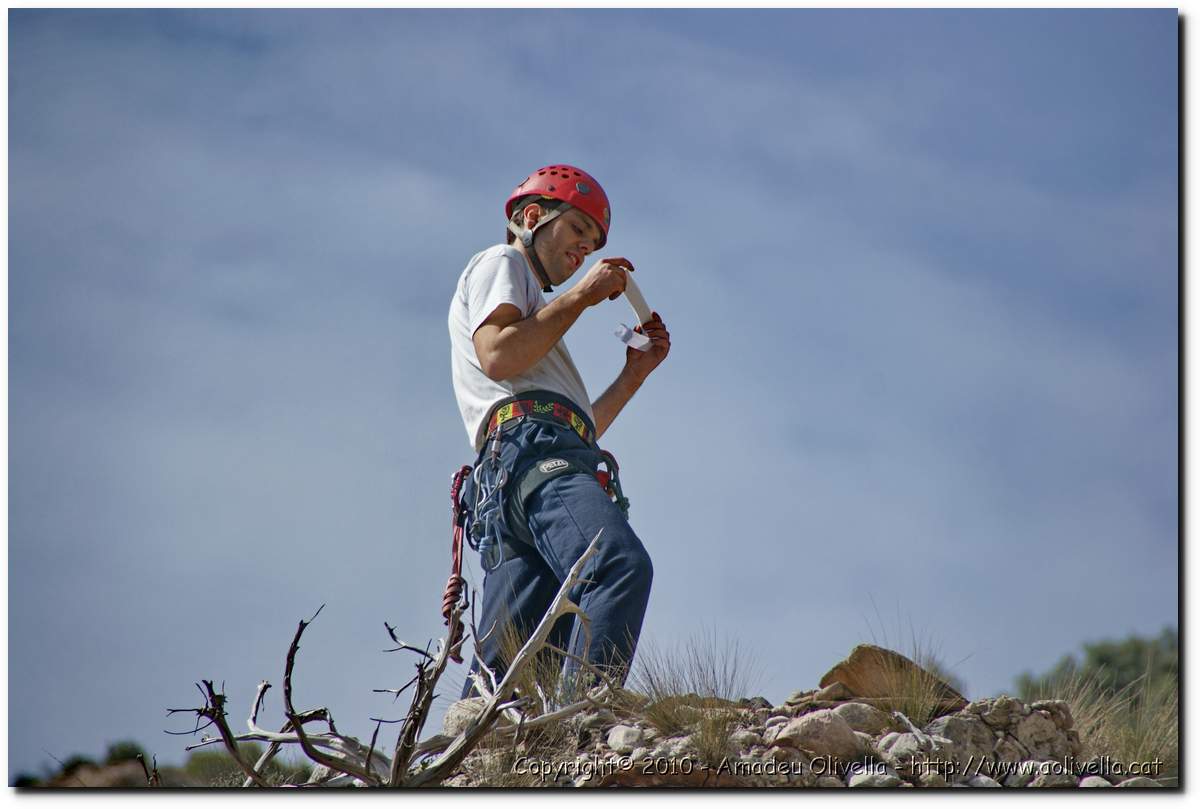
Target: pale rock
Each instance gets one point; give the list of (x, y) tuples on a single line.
[(742, 739), (908, 754), (1139, 782), (1000, 712), (676, 747), (1041, 736), (864, 718), (984, 782), (971, 741), (823, 732), (799, 766), (1009, 750), (1059, 711), (1091, 781), (866, 742), (624, 738)]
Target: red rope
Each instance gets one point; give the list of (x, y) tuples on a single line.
[(454, 585)]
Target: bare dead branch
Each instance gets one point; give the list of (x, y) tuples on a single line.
[(348, 761), (216, 707), (338, 763), (479, 726)]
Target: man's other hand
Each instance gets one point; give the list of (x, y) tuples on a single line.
[(641, 363)]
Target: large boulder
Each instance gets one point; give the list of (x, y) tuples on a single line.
[(872, 671), (823, 733)]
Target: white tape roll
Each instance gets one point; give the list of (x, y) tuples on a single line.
[(637, 300)]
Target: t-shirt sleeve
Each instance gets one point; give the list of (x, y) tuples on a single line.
[(492, 282)]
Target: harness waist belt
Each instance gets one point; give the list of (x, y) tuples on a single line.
[(544, 405)]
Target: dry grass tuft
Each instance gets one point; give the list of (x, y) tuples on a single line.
[(916, 695), (693, 688), (1137, 724)]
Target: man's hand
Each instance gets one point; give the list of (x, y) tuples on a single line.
[(604, 281), (641, 363)]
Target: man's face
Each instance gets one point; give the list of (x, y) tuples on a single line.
[(564, 243)]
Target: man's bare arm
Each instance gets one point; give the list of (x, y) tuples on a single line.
[(606, 408), (508, 345)]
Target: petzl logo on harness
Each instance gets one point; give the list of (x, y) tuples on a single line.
[(552, 465)]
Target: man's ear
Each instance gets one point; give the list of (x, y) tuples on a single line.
[(532, 213)]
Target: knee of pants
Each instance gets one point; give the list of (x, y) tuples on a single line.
[(631, 559)]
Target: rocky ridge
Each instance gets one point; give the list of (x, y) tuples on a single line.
[(855, 731)]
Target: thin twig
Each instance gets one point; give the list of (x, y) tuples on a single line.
[(151, 772)]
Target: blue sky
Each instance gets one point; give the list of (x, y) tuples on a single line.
[(919, 267)]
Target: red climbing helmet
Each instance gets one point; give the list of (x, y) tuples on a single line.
[(568, 184)]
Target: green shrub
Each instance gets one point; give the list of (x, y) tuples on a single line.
[(216, 767), (124, 751)]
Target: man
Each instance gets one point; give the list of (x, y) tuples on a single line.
[(535, 499)]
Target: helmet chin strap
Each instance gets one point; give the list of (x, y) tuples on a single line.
[(526, 236)]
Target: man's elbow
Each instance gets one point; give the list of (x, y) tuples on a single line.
[(493, 368), (494, 364)]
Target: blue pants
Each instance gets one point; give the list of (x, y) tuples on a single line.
[(564, 515)]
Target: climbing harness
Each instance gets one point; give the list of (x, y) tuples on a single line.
[(500, 502)]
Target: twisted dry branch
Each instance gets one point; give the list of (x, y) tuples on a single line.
[(352, 762)]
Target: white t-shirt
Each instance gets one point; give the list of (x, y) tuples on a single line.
[(499, 275)]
